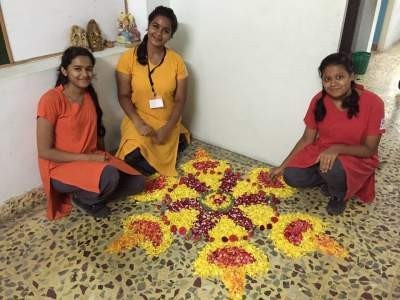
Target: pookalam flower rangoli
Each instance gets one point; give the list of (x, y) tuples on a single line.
[(224, 209)]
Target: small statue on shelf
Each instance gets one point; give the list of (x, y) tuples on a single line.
[(96, 41), (78, 37), (127, 30)]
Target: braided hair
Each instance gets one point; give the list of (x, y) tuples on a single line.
[(350, 102), (158, 11), (66, 59)]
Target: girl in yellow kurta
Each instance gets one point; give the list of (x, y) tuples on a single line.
[(152, 91)]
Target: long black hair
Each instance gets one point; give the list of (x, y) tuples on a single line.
[(351, 101), (66, 59), (158, 11)]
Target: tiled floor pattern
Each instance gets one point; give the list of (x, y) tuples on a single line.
[(66, 259)]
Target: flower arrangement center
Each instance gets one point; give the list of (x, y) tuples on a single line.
[(217, 201)]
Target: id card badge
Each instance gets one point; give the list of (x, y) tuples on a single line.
[(156, 103)]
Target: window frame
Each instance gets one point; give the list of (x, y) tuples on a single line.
[(12, 62), (6, 40)]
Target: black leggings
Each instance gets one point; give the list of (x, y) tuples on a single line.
[(335, 178), (113, 184), (136, 160)]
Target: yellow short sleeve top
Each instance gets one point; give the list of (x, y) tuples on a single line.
[(164, 77)]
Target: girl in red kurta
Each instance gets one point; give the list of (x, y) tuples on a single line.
[(339, 147), (69, 134)]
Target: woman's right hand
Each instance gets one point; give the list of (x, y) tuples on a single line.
[(144, 129), (274, 173), (98, 156)]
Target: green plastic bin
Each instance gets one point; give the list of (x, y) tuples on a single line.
[(360, 61)]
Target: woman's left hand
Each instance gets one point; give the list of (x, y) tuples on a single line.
[(161, 135), (327, 158)]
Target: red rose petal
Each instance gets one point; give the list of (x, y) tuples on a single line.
[(231, 257), (233, 238)]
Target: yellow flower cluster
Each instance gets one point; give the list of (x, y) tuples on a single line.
[(182, 192), (183, 218), (211, 180), (251, 185), (226, 227), (157, 194), (130, 239), (211, 177), (259, 214), (307, 244)]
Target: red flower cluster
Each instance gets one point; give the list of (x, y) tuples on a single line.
[(230, 257), (232, 238), (205, 165), (192, 182), (264, 179), (294, 231), (181, 230), (150, 230), (228, 182), (155, 184), (252, 199)]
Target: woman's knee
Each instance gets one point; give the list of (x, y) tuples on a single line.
[(138, 183), (291, 177), (109, 179), (300, 177), (336, 173)]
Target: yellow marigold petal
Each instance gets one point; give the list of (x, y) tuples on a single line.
[(234, 280), (183, 218), (259, 214), (183, 192), (244, 187), (329, 246), (226, 227), (211, 180)]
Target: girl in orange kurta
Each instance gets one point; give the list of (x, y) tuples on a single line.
[(152, 92), (69, 131)]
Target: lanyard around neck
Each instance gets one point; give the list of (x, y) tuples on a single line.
[(150, 72)]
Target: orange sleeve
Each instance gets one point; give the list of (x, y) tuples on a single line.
[(49, 107)]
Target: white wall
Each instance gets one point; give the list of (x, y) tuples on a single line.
[(139, 11), (252, 72), (253, 69), (391, 26), (151, 4), (42, 27), (20, 88)]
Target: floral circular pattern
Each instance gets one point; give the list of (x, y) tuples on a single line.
[(224, 208)]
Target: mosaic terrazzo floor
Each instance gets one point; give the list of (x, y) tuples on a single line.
[(67, 259)]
